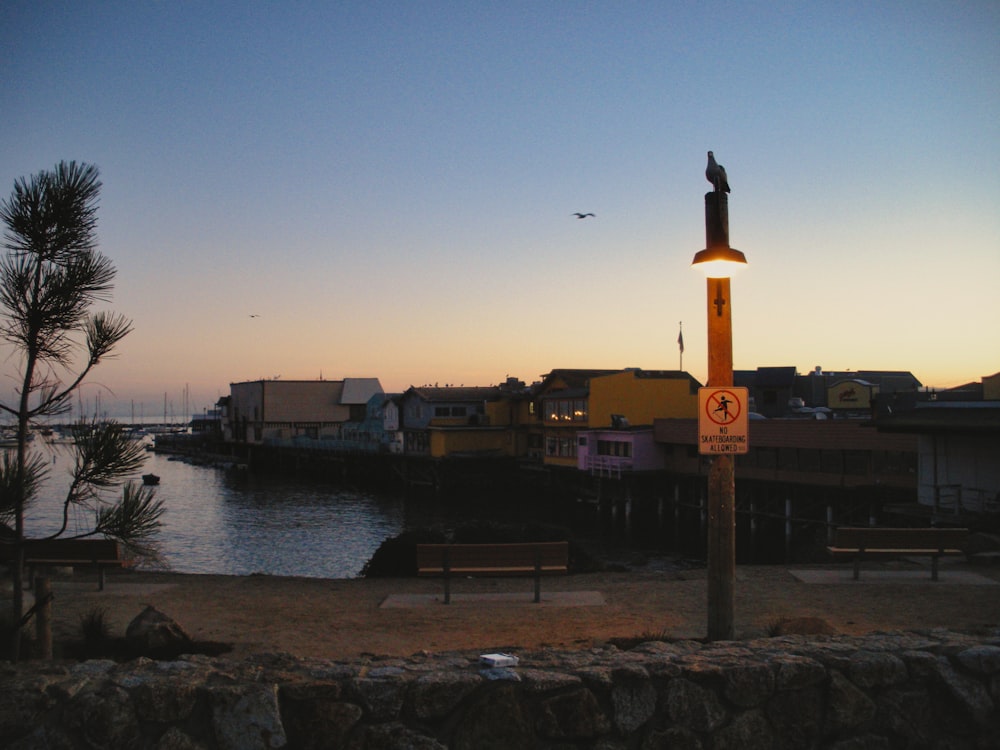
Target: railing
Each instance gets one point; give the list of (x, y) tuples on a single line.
[(610, 466), (954, 499)]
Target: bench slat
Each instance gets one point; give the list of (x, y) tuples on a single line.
[(493, 555), (895, 552), (65, 549), (885, 538), (492, 571)]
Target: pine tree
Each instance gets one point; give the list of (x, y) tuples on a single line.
[(51, 278)]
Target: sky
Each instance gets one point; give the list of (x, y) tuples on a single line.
[(388, 187)]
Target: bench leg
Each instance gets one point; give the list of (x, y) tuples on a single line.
[(538, 576), (447, 577), (100, 578), (857, 567)]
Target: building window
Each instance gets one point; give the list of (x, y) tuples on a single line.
[(566, 410), (561, 447), (416, 442), (618, 448)]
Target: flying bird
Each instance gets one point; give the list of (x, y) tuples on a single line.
[(716, 174), (254, 315), (582, 216)]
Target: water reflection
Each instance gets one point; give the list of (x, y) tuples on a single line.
[(220, 522)]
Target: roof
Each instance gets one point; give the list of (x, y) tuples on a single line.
[(575, 378), (982, 417), (775, 377), (456, 394), (359, 390)]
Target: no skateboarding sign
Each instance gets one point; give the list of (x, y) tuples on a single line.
[(723, 420)]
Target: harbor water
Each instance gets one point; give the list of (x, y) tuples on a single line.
[(230, 522)]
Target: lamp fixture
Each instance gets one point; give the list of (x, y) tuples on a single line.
[(719, 262)]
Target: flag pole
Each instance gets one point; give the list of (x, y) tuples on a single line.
[(680, 345)]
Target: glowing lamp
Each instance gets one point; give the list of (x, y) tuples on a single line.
[(719, 262)]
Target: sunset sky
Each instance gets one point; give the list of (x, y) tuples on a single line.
[(389, 186)]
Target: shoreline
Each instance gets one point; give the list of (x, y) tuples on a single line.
[(347, 618)]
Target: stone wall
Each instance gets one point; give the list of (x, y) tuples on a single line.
[(932, 689)]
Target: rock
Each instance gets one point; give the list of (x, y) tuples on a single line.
[(981, 544), (153, 633), (247, 717)]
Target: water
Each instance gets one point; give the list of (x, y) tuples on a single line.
[(230, 523)]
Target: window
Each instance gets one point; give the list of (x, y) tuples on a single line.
[(566, 410), (561, 447), (416, 442), (450, 411), (618, 448)]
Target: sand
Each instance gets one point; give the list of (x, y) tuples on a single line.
[(348, 619)]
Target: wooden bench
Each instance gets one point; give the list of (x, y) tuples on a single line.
[(41, 553), (868, 542), (513, 559)]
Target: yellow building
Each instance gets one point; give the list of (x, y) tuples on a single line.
[(570, 402)]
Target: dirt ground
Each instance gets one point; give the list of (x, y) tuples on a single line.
[(345, 619)]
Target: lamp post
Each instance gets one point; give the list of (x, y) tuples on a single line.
[(718, 260)]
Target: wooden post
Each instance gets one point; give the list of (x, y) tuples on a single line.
[(721, 473), (43, 616)]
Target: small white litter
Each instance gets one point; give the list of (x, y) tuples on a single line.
[(498, 660)]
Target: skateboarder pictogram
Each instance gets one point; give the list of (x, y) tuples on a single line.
[(722, 407)]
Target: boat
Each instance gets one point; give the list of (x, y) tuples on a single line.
[(150, 479)]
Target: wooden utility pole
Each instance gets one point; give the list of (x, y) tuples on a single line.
[(721, 473)]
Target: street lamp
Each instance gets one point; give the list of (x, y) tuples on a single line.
[(718, 261)]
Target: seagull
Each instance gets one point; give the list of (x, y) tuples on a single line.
[(254, 315), (582, 216), (716, 174)]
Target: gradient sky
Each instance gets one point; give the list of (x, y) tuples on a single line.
[(389, 185)]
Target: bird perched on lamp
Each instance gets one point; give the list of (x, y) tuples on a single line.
[(716, 174)]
